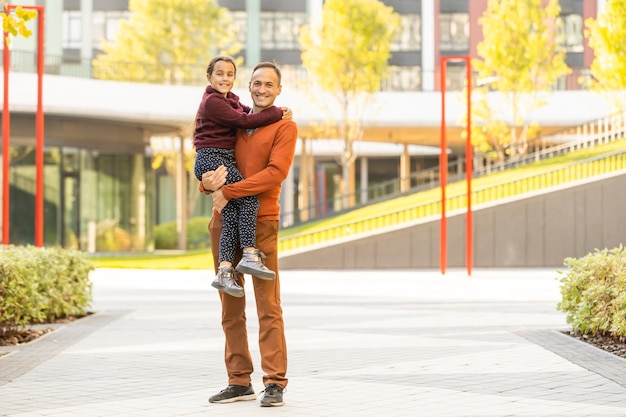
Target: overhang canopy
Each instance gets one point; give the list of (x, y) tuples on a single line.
[(165, 110)]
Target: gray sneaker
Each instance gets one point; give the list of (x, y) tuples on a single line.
[(252, 262), (233, 393), (272, 396), (225, 282)]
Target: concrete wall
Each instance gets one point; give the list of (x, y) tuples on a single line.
[(539, 230)]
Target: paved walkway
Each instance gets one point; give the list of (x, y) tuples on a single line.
[(368, 343)]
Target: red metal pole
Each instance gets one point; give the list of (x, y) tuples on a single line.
[(6, 133), (469, 243), (39, 132), (443, 168), (39, 129), (443, 173)]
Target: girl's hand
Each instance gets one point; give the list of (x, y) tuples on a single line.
[(287, 114), (213, 180)]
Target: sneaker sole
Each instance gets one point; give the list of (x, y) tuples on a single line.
[(248, 397), (256, 273), (225, 290)]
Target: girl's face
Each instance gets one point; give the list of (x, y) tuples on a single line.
[(222, 77)]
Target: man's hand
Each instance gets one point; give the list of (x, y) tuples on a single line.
[(287, 114), (213, 180), (219, 202)]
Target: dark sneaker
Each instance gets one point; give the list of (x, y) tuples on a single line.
[(225, 282), (272, 396), (233, 393), (252, 262)]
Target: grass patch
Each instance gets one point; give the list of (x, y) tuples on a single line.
[(194, 259)]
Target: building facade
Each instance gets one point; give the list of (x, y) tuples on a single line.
[(101, 193), (269, 30)]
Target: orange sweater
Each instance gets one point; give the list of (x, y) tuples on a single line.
[(264, 159)]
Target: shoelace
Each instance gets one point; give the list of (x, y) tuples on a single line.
[(271, 389), (260, 256), (226, 271)]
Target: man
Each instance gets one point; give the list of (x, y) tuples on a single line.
[(264, 156)]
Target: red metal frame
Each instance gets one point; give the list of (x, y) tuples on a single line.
[(443, 169), (6, 131)]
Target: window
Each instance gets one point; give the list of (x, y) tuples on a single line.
[(456, 77), (72, 30), (454, 31), (570, 32), (403, 78), (280, 30), (105, 26), (410, 38), (240, 25)]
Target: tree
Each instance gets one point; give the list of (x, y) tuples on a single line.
[(520, 54), (347, 53), (607, 38), (167, 41), (16, 24), (170, 42)]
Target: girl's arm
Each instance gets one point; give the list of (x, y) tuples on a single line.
[(221, 112)]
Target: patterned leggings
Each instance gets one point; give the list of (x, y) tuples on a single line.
[(239, 215)]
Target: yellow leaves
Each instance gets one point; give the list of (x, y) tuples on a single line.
[(520, 51), (15, 24), (518, 46), (167, 41), (607, 38)]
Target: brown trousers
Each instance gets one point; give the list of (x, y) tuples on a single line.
[(271, 326)]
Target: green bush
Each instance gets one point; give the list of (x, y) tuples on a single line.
[(41, 285), (594, 293), (165, 236)]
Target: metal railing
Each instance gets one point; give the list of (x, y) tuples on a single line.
[(586, 135), (605, 164)]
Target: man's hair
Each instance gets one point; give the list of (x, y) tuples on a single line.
[(225, 58), (271, 65)]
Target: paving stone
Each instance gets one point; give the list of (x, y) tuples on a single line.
[(486, 345)]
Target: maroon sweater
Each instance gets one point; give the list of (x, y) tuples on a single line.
[(219, 117)]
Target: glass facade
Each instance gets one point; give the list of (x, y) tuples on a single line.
[(93, 201)]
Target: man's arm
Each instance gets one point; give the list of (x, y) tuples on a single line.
[(276, 170)]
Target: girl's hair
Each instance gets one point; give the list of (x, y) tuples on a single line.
[(225, 58)]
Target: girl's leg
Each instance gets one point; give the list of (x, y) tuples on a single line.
[(252, 261), (248, 209)]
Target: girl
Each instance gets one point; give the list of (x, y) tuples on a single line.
[(219, 116)]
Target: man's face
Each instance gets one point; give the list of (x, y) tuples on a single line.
[(264, 87)]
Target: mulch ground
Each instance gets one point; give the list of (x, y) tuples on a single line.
[(16, 337), (606, 343), (19, 337)]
